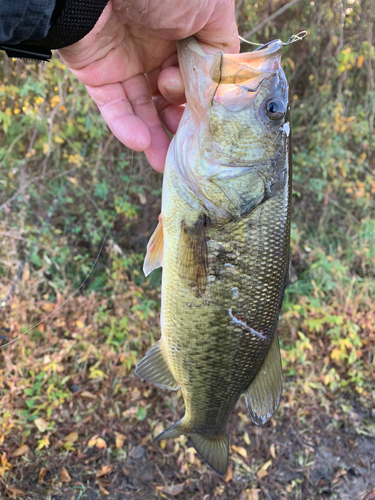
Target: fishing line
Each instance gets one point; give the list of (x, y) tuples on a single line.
[(292, 39), (88, 274)]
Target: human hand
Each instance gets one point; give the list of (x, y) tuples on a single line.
[(128, 63)]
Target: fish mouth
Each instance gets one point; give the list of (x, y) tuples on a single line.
[(248, 70)]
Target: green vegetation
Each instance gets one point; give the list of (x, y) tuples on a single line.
[(68, 395)]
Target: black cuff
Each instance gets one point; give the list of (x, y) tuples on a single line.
[(69, 24)]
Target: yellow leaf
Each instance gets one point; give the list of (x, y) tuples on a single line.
[(42, 473), (273, 451), (41, 424), (163, 444), (20, 451), (92, 441), (45, 148), (43, 443), (241, 451), (8, 112), (120, 439), (71, 438), (48, 307), (78, 322), (336, 354), (97, 441), (58, 139), (361, 58), (246, 438), (106, 469), (55, 101), (262, 472), (64, 476)]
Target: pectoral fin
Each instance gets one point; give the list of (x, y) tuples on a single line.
[(154, 368), (193, 254), (154, 256), (264, 393)]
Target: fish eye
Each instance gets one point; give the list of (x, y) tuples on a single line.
[(275, 109)]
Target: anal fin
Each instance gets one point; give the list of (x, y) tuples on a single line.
[(154, 256), (154, 368), (264, 393)]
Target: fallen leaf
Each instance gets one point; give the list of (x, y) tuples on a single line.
[(252, 494), (48, 307), (102, 490), (71, 438), (262, 472), (20, 451), (241, 451), (87, 394), (120, 439), (64, 476), (106, 469), (42, 474), (229, 475), (41, 424), (246, 438), (176, 489), (273, 451), (15, 492), (97, 441)]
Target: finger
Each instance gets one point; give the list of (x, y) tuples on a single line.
[(170, 114), (221, 31), (171, 85), (119, 116), (138, 92)]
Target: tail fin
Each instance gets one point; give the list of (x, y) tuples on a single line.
[(214, 450)]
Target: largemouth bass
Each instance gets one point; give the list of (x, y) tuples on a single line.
[(223, 241)]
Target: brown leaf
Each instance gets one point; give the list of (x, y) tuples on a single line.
[(228, 476), (252, 494), (176, 489), (64, 476), (102, 490), (262, 473), (71, 438), (42, 474), (13, 492), (87, 394), (20, 451), (41, 424), (273, 451), (106, 469)]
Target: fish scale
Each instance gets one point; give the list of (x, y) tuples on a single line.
[(223, 241)]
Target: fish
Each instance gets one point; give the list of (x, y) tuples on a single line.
[(223, 240)]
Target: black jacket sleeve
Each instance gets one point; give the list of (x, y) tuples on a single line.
[(31, 28)]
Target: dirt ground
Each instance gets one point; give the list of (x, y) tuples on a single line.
[(305, 452)]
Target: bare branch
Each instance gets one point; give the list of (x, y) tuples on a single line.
[(269, 18)]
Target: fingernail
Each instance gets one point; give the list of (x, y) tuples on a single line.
[(175, 90)]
